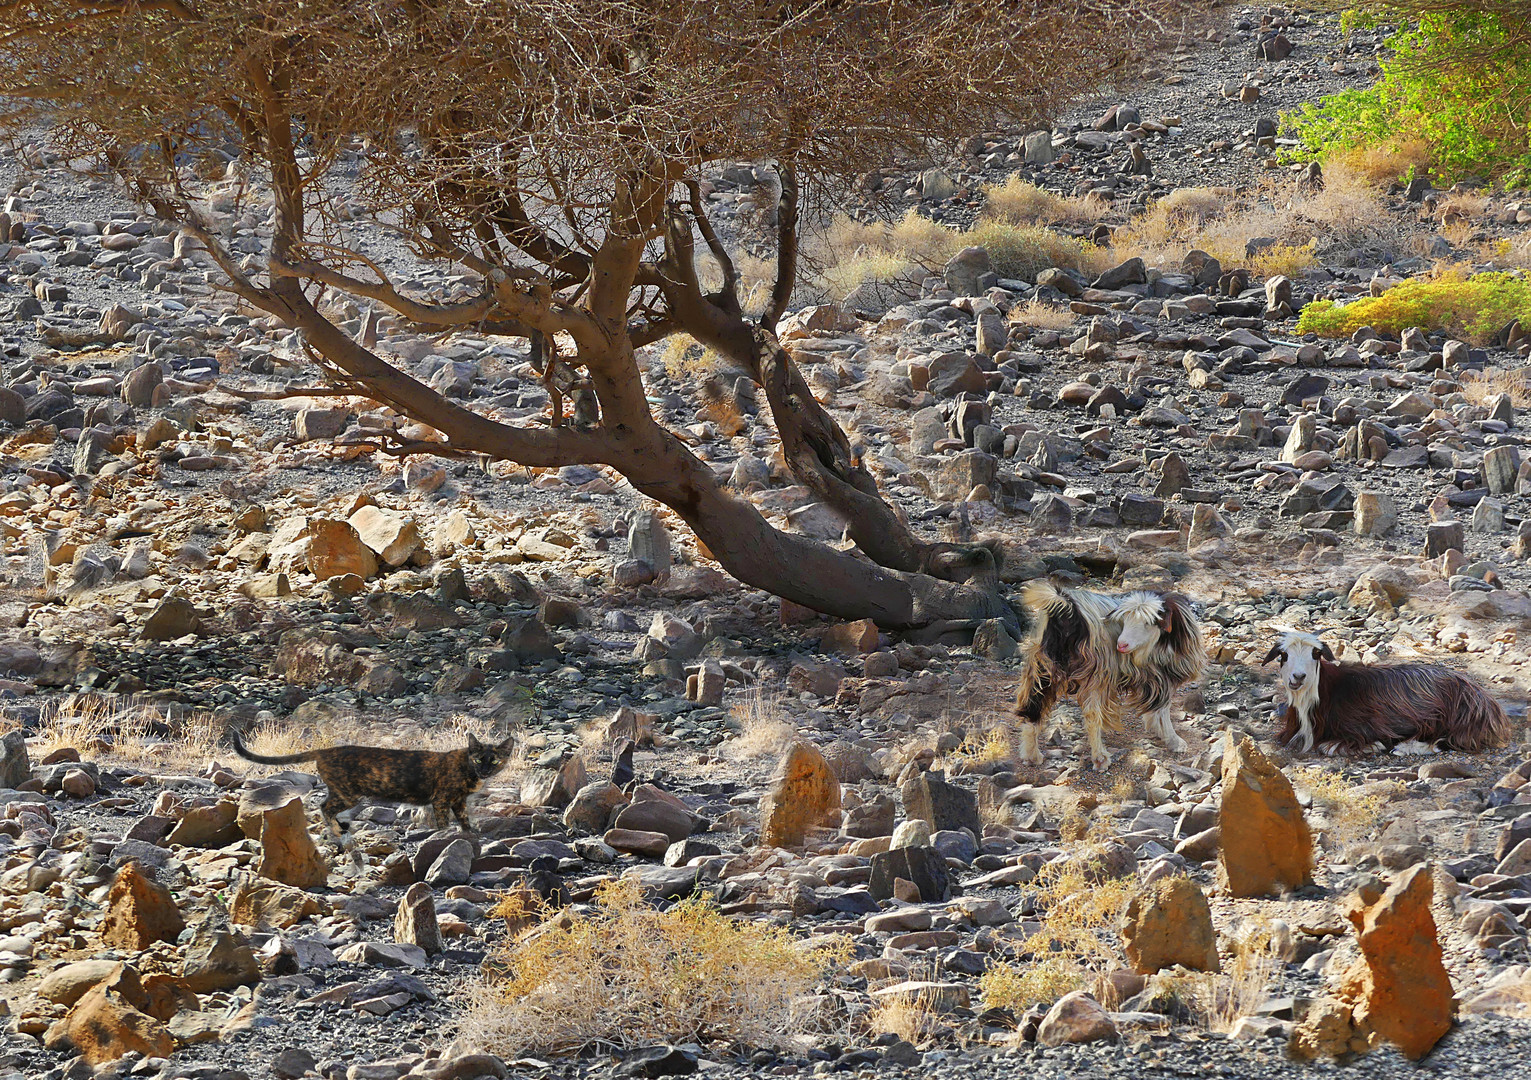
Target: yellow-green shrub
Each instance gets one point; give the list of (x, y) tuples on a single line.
[(1477, 308), (626, 974)]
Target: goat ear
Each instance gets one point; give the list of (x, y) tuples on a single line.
[(1323, 652), (1275, 651)]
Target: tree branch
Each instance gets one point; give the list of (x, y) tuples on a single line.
[(786, 249)]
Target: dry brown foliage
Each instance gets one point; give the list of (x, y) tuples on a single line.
[(551, 154)]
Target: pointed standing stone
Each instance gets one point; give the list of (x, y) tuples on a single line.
[(1267, 847)]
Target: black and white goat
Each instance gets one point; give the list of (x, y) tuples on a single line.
[(1111, 654), (1408, 708)]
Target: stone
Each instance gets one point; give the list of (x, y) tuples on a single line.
[(415, 921), (649, 540), (391, 536), (335, 549), (287, 851), (927, 997), (1130, 272), (803, 791), (174, 617), (1174, 476), (66, 985), (555, 786), (217, 958), (930, 798), (656, 812), (453, 865), (1399, 989), (265, 904), (1488, 517), (850, 639), (139, 912), (1266, 846), (592, 807), (1206, 524), (1300, 440), (652, 1062), (293, 1063), (681, 642), (15, 764), (1076, 1017), (924, 868), (992, 640), (915, 832), (992, 334), (963, 271), (1500, 467), (310, 424), (1376, 515), (139, 384), (211, 826), (1444, 536), (111, 1020), (644, 842), (956, 373), (1038, 148), (1169, 923)]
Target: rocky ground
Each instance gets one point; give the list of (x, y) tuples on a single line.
[(182, 553)]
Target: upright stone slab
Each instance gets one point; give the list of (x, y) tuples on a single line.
[(1267, 848)]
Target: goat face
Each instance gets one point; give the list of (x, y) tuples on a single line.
[(1299, 656), (1144, 617)]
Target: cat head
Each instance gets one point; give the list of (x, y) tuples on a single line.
[(489, 758)]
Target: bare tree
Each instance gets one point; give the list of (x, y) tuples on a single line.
[(555, 150)]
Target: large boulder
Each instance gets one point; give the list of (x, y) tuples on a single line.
[(218, 958), (1076, 1018), (287, 851), (803, 792), (1169, 923), (111, 1020), (1267, 847), (928, 796), (335, 549), (139, 912), (15, 764), (391, 536), (1399, 989)]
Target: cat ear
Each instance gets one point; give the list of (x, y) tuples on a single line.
[(473, 743)]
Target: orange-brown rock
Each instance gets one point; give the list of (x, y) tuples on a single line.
[(1328, 1031), (1169, 923), (850, 639), (267, 905), (804, 790), (335, 549), (110, 1021), (1267, 848), (139, 912), (1400, 988), (287, 851)]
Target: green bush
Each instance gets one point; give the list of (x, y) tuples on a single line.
[(1476, 308), (1460, 80)]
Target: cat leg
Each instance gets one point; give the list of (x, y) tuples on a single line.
[(460, 812)]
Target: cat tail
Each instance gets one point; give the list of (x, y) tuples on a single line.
[(263, 759)]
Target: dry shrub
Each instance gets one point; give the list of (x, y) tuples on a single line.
[(1351, 809), (125, 728), (1306, 226), (687, 360), (914, 1019), (627, 975), (1219, 1000), (1384, 163), (1008, 986), (988, 747), (1479, 387), (763, 732), (1077, 913), (1040, 315), (1018, 201), (848, 253)]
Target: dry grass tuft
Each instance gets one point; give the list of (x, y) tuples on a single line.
[(1306, 226), (686, 360), (763, 732), (990, 747), (1479, 387), (625, 974), (1040, 315), (849, 253), (1078, 913), (1351, 809), (126, 728), (1018, 201), (1381, 165)]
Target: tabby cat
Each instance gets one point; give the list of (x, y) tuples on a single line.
[(440, 779)]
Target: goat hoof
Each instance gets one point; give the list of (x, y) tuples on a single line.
[(1101, 762)]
